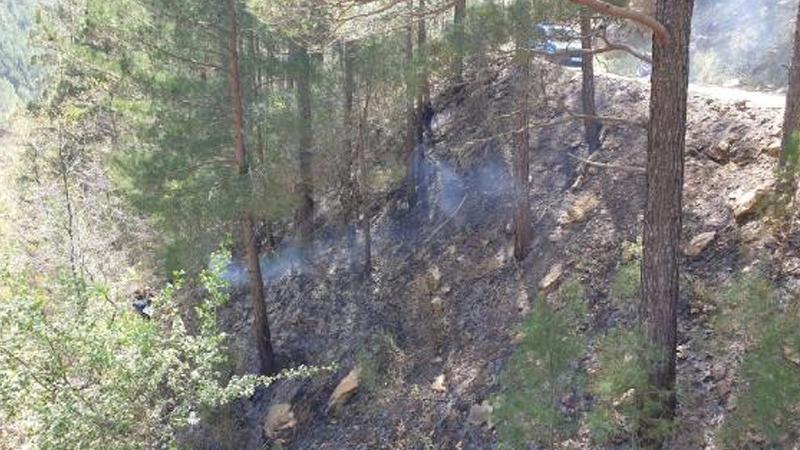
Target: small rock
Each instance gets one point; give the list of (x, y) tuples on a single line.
[(721, 152), (523, 302), (580, 209), (724, 387), (552, 277), (479, 414), (437, 305), (699, 243), (791, 266), (718, 372), (279, 418), (434, 278), (438, 384), (683, 351), (791, 354), (745, 203), (344, 390), (773, 149)]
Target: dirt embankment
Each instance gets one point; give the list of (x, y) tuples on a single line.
[(437, 320)]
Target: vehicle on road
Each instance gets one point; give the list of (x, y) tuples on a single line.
[(560, 44)]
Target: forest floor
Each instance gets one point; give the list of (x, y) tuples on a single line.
[(437, 321)]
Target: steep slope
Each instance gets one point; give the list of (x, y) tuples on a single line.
[(436, 323)]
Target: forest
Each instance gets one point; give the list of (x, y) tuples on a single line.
[(399, 224)]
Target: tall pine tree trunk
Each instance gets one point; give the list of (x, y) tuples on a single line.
[(662, 217), (591, 126), (261, 330), (791, 120), (305, 212), (459, 13), (521, 163)]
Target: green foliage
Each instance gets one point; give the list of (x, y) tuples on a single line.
[(625, 287), (17, 53), (541, 371), (375, 359), (79, 371), (8, 101), (768, 401), (625, 400)]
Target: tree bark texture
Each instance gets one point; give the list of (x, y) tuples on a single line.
[(791, 120), (459, 14), (664, 190), (261, 329), (591, 127), (521, 163), (409, 144), (305, 212)]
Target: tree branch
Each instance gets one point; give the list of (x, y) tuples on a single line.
[(659, 31)]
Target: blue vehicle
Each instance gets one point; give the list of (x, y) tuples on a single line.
[(560, 44)]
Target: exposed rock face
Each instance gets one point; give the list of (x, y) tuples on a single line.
[(580, 209), (699, 243), (745, 203), (721, 152), (438, 384), (552, 277), (344, 390), (278, 420)]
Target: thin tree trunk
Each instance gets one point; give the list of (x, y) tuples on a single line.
[(350, 182), (521, 168), (260, 322), (361, 185), (791, 122), (68, 205), (409, 144), (305, 213), (459, 13), (662, 217), (423, 90), (591, 127)]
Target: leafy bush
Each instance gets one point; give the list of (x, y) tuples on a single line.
[(79, 371), (624, 397), (542, 370)]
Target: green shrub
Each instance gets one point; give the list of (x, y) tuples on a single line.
[(625, 400), (768, 400), (625, 287), (375, 359), (79, 371), (542, 369)]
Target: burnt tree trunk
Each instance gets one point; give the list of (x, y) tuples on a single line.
[(791, 121), (305, 212), (261, 330), (663, 207), (459, 14), (591, 126), (521, 160)]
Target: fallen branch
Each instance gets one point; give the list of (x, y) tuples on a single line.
[(607, 165), (448, 219)]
